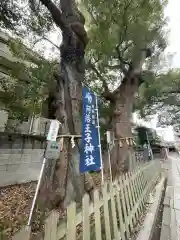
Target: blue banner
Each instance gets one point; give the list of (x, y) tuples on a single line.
[(90, 157)]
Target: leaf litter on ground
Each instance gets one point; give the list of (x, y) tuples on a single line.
[(15, 205)]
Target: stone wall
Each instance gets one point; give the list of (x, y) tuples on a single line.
[(40, 126), (21, 158), (19, 167), (34, 126)]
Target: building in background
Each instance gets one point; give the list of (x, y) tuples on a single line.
[(176, 129), (35, 125)]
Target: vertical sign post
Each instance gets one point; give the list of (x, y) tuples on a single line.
[(91, 155), (110, 145), (99, 140), (52, 135)]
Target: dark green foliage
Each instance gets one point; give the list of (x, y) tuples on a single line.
[(127, 26), (10, 14), (144, 134), (161, 96), (27, 83)]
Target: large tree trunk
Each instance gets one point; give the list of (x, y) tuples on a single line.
[(66, 183), (124, 98), (123, 101), (121, 125), (70, 184)]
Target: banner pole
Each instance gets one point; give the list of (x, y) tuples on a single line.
[(109, 157), (109, 154), (99, 138)]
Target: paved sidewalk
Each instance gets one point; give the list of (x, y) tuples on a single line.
[(171, 214)]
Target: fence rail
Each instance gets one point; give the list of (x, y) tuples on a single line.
[(113, 215)]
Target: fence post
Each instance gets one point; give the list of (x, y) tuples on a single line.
[(24, 234), (71, 221), (114, 214), (124, 206), (120, 215), (97, 215), (130, 193), (106, 213), (86, 224), (51, 226), (130, 161), (127, 201)]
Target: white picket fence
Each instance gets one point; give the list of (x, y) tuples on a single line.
[(113, 215)]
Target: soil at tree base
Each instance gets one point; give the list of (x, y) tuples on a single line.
[(15, 204)]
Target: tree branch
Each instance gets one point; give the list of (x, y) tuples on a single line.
[(122, 38), (56, 14), (172, 91), (48, 40), (134, 70), (122, 62), (99, 76), (117, 66), (124, 23), (3, 81), (93, 18), (107, 94)]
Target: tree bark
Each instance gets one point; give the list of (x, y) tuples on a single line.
[(124, 99), (66, 183), (121, 126)]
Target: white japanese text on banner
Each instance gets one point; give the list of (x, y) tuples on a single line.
[(90, 158)]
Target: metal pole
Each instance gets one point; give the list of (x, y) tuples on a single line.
[(109, 158), (109, 155), (53, 131), (99, 138), (36, 193)]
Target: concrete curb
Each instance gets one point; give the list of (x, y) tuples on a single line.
[(148, 227), (168, 227)]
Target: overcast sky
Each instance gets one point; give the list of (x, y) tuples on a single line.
[(173, 13)]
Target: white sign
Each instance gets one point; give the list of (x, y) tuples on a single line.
[(52, 150), (110, 139), (108, 135), (53, 130)]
